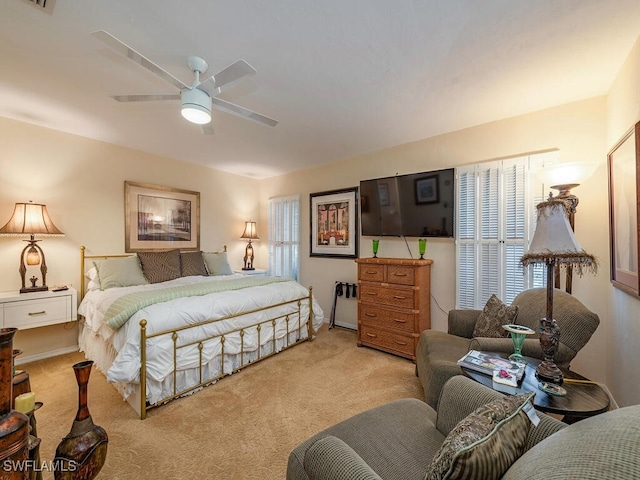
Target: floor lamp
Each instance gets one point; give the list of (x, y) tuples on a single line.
[(554, 244)]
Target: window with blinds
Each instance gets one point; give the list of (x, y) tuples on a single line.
[(495, 220), (284, 236)]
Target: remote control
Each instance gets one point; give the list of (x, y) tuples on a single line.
[(59, 289)]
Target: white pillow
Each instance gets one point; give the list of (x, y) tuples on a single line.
[(94, 281), (120, 272), (217, 263)]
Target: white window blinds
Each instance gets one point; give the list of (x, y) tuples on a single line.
[(495, 222), (284, 236)]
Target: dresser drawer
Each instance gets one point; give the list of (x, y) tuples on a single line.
[(401, 275), (376, 316), (36, 313), (371, 273), (403, 344), (396, 297)]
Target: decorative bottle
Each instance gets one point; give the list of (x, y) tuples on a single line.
[(14, 426), (81, 454)]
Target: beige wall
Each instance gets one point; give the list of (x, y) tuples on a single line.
[(82, 183), (577, 130), (623, 334)]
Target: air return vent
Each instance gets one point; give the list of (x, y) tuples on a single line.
[(43, 5)]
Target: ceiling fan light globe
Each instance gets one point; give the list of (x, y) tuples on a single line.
[(196, 106), (196, 114)]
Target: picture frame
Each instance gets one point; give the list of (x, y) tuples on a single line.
[(160, 218), (623, 163), (334, 223), (426, 190)]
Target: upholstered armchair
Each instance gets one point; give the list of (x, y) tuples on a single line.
[(438, 352)]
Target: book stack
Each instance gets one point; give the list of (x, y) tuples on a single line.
[(506, 374)]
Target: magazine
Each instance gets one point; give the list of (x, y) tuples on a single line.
[(486, 363)]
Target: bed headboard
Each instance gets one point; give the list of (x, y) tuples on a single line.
[(84, 268)]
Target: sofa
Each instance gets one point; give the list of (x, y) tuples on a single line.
[(437, 352), (398, 440)]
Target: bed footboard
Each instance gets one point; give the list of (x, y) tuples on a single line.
[(268, 343)]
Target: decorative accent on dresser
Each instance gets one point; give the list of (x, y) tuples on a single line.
[(394, 304), (14, 425), (81, 454)]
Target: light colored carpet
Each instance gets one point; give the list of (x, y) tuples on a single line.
[(243, 427)]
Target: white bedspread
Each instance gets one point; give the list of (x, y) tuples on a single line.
[(190, 310)]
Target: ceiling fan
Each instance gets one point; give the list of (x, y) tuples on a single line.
[(199, 97)]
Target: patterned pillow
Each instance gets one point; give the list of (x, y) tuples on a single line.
[(160, 266), (192, 263), (493, 316), (486, 443)]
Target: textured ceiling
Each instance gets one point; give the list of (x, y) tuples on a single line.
[(343, 77)]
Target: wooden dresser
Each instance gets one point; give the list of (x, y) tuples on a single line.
[(394, 304)]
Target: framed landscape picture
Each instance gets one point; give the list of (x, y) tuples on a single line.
[(624, 184), (160, 218), (334, 223)]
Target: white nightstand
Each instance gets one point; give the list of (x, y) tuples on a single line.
[(38, 309), (257, 271)]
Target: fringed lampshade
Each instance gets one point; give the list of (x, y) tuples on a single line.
[(554, 244)]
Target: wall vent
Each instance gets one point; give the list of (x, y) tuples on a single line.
[(43, 5)]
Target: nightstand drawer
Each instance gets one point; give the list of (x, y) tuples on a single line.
[(37, 313)]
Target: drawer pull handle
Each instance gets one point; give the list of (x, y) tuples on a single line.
[(399, 297), (373, 294), (400, 343), (399, 321), (400, 274), (370, 314), (37, 313), (371, 272), (372, 335)]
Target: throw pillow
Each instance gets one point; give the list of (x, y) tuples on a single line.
[(485, 443), (217, 263), (160, 266), (118, 272), (493, 316), (192, 263)]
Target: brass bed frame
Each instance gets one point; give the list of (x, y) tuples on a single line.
[(141, 406)]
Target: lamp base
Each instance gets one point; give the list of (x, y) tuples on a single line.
[(550, 373), (248, 268), (34, 289)]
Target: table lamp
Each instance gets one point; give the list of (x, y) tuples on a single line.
[(250, 233), (31, 219), (554, 244)]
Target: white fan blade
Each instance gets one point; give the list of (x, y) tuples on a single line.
[(145, 98), (233, 109), (138, 58), (230, 74)]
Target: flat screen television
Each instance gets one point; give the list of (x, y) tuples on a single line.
[(414, 205)]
